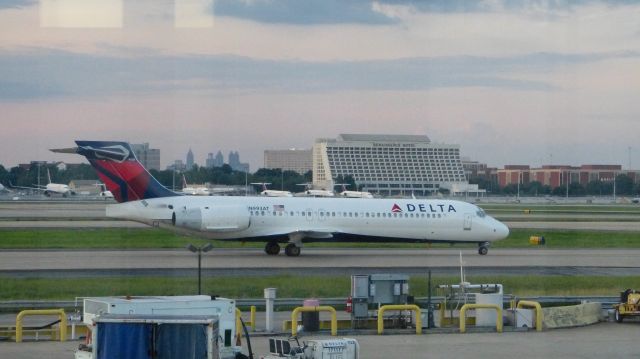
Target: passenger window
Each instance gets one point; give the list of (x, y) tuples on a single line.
[(274, 213), (303, 213), (262, 213), (356, 214)]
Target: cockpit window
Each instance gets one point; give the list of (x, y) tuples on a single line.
[(481, 213)]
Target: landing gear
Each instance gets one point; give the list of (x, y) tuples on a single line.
[(483, 248), (272, 248), (292, 250)]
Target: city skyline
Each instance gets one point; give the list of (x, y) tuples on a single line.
[(528, 82)]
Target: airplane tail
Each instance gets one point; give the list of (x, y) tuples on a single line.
[(48, 175), (120, 170)]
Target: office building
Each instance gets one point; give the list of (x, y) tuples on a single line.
[(149, 157), (389, 164), (289, 160), (236, 165), (190, 161)]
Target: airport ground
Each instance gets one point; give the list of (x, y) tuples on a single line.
[(604, 339)]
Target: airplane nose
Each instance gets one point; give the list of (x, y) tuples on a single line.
[(501, 230)]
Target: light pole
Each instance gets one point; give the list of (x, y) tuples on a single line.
[(202, 249)]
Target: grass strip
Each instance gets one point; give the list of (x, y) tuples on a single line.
[(290, 286), (154, 238)]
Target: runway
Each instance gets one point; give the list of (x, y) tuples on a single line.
[(17, 263)]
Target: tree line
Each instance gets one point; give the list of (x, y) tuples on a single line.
[(290, 180), (624, 186)]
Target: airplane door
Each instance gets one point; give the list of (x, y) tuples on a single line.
[(467, 221)]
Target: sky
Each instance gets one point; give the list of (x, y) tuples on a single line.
[(512, 82)]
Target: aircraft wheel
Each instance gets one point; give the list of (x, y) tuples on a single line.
[(482, 250), (292, 250), (272, 249)]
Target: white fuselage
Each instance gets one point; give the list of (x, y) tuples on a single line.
[(246, 217), (62, 189)]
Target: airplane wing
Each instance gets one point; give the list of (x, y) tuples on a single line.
[(30, 188)]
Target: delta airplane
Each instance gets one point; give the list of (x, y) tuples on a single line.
[(277, 220), (51, 188)]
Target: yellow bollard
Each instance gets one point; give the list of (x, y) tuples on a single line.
[(322, 308), (59, 312), (538, 308), (253, 318), (413, 307), (463, 313)]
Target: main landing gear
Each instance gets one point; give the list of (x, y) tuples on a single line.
[(483, 248), (273, 249), (292, 250)]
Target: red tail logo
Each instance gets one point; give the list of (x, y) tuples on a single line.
[(396, 208)]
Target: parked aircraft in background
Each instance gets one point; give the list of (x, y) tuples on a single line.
[(271, 192), (309, 191), (275, 220), (352, 194), (51, 188), (194, 191), (104, 192)]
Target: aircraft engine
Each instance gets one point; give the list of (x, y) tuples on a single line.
[(212, 218)]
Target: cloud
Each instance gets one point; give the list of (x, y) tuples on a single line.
[(49, 73), (310, 12)]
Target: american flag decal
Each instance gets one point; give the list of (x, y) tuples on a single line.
[(278, 207)]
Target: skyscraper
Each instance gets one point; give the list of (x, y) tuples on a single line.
[(190, 162), (149, 157), (236, 165)]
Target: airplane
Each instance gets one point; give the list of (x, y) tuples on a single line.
[(3, 188), (352, 194), (51, 188), (275, 220), (271, 192), (309, 191), (194, 191)]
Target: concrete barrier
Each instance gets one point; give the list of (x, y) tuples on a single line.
[(572, 316)]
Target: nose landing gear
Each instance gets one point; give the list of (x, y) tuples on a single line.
[(483, 248)]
